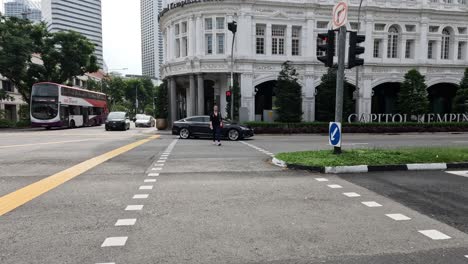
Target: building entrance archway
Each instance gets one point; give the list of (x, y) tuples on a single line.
[(385, 98), (441, 97), (265, 101)]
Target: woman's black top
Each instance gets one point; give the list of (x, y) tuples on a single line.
[(216, 119)]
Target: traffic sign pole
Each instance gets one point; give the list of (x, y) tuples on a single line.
[(340, 80)]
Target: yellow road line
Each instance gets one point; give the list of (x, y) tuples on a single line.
[(48, 143), (17, 198)]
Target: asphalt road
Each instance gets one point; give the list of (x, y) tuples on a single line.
[(187, 201)]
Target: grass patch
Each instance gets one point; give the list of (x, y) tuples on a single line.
[(325, 158)]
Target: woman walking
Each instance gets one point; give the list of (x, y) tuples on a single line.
[(216, 123)]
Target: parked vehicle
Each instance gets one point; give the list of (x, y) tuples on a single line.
[(199, 126), (144, 121), (117, 120)]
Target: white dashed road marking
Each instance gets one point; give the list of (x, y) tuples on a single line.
[(114, 242), (335, 186), (156, 169), (158, 165), (398, 217), (125, 222), (371, 204), (150, 180), (153, 174), (321, 179), (134, 208), (266, 152), (434, 234), (146, 187), (141, 196), (107, 263), (466, 256), (161, 161), (352, 194)]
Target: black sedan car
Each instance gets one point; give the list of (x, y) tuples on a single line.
[(199, 126), (117, 120)]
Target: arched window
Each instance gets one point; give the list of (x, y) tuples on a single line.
[(392, 48), (445, 52)]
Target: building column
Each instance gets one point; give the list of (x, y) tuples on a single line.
[(308, 99), (421, 51), (247, 94), (201, 95), (288, 41), (191, 37), (199, 37), (268, 43), (364, 101), (192, 98), (173, 100)]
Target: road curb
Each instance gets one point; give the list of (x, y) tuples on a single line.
[(367, 168)]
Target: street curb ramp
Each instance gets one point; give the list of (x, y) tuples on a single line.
[(367, 168)]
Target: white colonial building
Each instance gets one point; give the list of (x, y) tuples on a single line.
[(429, 35)]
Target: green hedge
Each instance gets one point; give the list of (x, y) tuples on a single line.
[(11, 124), (322, 127)]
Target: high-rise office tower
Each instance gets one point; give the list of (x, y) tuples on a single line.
[(23, 9), (151, 38), (81, 16)]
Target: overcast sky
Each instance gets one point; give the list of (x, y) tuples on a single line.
[(121, 32)]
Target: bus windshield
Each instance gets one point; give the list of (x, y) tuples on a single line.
[(44, 101)]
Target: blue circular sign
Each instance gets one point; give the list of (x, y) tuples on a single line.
[(335, 134)]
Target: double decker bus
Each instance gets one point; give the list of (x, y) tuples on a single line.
[(56, 105)]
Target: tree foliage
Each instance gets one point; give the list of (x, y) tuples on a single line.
[(325, 99), (288, 95), (162, 102), (413, 97), (64, 54), (460, 102)]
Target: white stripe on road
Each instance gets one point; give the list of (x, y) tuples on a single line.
[(158, 165), (150, 180), (107, 263), (352, 194), (114, 242), (335, 186), (141, 196), (156, 169), (398, 217), (134, 208), (146, 187), (125, 222), (321, 179), (163, 158), (154, 174), (161, 161), (466, 256), (459, 173), (434, 234), (372, 204)]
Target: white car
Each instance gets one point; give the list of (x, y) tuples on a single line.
[(144, 121)]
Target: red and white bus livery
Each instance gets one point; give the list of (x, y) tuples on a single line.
[(56, 105)]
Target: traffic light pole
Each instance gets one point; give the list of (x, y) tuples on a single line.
[(232, 77), (340, 79)]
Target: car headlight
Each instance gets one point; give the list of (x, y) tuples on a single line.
[(245, 128)]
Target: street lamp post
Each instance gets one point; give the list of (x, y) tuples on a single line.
[(232, 26)]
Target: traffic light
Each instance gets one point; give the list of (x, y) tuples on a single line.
[(355, 50), (228, 96), (232, 26), (328, 48)]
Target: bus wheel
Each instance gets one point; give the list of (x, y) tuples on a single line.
[(47, 128), (72, 124)]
